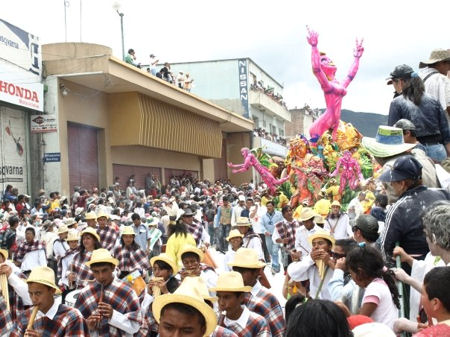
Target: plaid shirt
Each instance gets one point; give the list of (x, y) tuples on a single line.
[(196, 229), (119, 295), (67, 322), (256, 326), (6, 323), (108, 237), (131, 259), (267, 305), (220, 331), (79, 267), (25, 248), (286, 230)]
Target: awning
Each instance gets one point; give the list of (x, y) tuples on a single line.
[(136, 119)]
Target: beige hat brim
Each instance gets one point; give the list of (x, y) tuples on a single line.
[(207, 312), (5, 254), (323, 236), (245, 289), (167, 260), (234, 236), (257, 265), (104, 260), (46, 283), (384, 150)]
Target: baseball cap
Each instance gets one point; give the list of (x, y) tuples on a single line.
[(405, 167), (405, 125), (367, 223), (401, 71)]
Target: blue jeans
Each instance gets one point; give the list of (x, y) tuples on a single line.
[(436, 152), (224, 231), (273, 251)]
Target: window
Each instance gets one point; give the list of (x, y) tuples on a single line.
[(264, 124), (281, 132), (256, 121)]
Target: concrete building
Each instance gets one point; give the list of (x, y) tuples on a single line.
[(115, 120), (243, 87), (301, 121), (21, 102)]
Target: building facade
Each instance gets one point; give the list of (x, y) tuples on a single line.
[(21, 101), (115, 120), (301, 121)]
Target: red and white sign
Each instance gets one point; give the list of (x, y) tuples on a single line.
[(29, 95), (43, 123)]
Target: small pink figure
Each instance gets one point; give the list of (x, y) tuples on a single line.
[(349, 170), (324, 70), (249, 161)]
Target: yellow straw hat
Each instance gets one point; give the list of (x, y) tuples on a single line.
[(167, 259), (307, 213), (336, 203), (231, 281), (102, 255), (69, 222), (45, 276), (102, 214), (128, 230), (73, 236), (5, 254), (234, 233), (187, 293), (242, 221), (200, 284), (63, 229), (90, 216), (92, 231), (246, 258), (319, 220), (192, 249), (321, 234)]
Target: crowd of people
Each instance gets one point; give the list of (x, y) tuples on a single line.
[(261, 132), (197, 258), (181, 80)]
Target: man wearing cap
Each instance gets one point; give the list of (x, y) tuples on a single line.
[(337, 222), (366, 230), (425, 112), (409, 133), (110, 305), (108, 234), (388, 146), (194, 227), (66, 260), (52, 319), (238, 318), (260, 299), (433, 73), (403, 220), (302, 246), (184, 312)]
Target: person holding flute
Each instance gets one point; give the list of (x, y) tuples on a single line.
[(110, 305), (48, 318)]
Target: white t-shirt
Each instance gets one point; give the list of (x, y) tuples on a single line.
[(378, 292)]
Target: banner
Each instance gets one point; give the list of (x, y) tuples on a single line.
[(43, 123), (20, 48), (243, 85), (13, 165)]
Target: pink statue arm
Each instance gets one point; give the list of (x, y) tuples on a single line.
[(315, 60), (357, 53), (231, 165), (336, 171)]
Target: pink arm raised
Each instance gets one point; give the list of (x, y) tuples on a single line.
[(315, 60), (359, 49)]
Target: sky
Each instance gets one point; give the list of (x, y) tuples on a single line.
[(271, 33)]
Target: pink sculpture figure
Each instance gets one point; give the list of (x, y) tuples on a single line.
[(349, 170), (334, 91), (249, 161)]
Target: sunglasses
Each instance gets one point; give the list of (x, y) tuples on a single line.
[(337, 255)]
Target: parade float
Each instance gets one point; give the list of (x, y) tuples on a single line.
[(331, 164)]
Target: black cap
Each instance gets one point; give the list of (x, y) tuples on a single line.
[(405, 167), (405, 125), (367, 223), (402, 71)]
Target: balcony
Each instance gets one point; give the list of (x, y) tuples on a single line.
[(270, 147), (263, 102)]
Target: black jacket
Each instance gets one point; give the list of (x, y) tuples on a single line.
[(404, 220)]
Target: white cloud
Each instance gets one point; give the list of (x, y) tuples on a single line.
[(272, 33)]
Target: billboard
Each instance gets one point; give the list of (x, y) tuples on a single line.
[(20, 48)]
